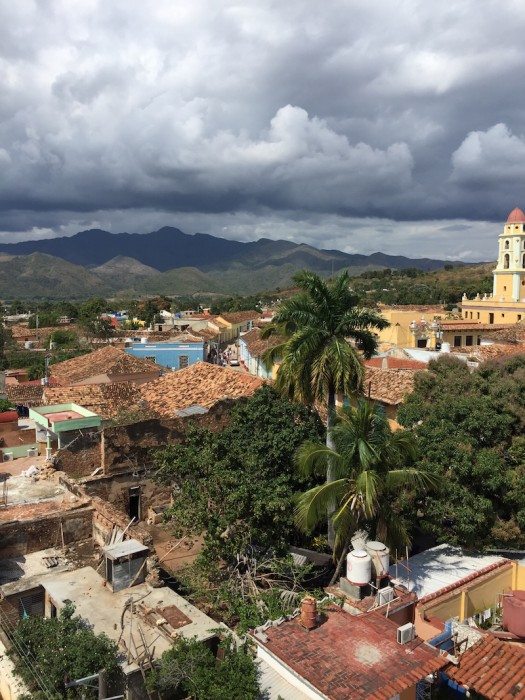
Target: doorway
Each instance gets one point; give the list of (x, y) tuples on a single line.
[(134, 503), (491, 318)]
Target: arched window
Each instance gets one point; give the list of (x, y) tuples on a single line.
[(523, 261), (506, 245), (506, 261)]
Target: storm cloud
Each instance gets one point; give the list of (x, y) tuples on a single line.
[(350, 124)]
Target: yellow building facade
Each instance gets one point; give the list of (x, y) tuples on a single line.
[(506, 304)]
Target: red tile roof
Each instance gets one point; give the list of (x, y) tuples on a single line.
[(388, 386), (107, 360), (239, 316), (516, 216), (201, 384), (352, 656), (493, 668), (505, 563), (388, 362), (25, 394), (472, 326), (106, 400), (256, 345)]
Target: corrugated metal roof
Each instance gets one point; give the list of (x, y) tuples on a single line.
[(124, 549)]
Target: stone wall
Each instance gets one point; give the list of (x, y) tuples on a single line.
[(82, 456), (21, 537)]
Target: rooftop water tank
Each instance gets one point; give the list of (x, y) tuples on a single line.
[(358, 567), (144, 340), (380, 555)]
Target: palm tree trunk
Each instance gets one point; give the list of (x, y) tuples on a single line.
[(330, 420), (340, 563)]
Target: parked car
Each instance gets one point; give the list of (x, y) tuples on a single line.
[(234, 362)]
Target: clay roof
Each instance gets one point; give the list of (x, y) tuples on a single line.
[(20, 331), (352, 656), (108, 360), (25, 393), (493, 668), (239, 316), (200, 384), (106, 400), (516, 216), (465, 580), (471, 326), (423, 308), (495, 351), (257, 345), (510, 334), (388, 386), (192, 337), (389, 362)]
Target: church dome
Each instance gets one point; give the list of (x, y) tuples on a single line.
[(516, 216)]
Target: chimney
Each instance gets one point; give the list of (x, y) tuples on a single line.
[(308, 617)]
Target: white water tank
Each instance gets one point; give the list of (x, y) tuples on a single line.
[(144, 340), (358, 567), (380, 555)]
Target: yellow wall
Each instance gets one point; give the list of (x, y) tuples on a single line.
[(475, 596), (502, 312), (399, 333)]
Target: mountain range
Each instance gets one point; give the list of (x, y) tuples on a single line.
[(169, 261)]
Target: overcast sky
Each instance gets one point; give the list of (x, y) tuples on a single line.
[(360, 125)]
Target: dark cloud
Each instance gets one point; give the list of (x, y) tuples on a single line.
[(369, 125)]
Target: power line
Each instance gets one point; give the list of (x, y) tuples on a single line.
[(25, 654)]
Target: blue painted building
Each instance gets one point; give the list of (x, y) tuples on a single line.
[(174, 355)]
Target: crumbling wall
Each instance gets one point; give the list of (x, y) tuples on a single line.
[(128, 447), (21, 537), (82, 456), (115, 489)]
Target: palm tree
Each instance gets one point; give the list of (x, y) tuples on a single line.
[(317, 361), (371, 466)]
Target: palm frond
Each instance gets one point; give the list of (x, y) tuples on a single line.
[(313, 505)]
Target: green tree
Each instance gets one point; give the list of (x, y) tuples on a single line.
[(189, 670), (237, 484), (317, 360), (372, 466), (61, 649), (469, 428)]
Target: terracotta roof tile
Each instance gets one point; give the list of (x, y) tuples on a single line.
[(472, 326), (201, 384), (493, 668), (516, 216), (484, 353), (465, 580), (25, 394), (389, 362), (106, 400), (388, 386), (108, 360), (239, 316), (256, 345), (352, 656)]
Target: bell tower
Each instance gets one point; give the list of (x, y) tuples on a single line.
[(509, 274)]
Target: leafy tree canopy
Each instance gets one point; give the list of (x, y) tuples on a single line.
[(61, 649), (469, 427), (189, 670), (237, 485)]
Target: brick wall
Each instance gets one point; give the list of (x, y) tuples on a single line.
[(25, 536)]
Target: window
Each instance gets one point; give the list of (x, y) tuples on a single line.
[(504, 288), (491, 318), (471, 314), (506, 245), (457, 341), (469, 340), (523, 261), (478, 340), (422, 342), (502, 315), (478, 314), (506, 261), (519, 317), (151, 358), (183, 361)]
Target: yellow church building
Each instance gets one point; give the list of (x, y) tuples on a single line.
[(506, 304)]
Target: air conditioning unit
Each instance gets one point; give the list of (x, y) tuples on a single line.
[(32, 452), (385, 595), (406, 633), (8, 456)]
